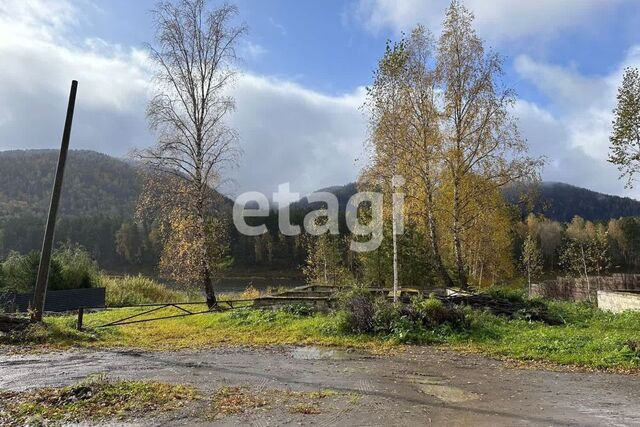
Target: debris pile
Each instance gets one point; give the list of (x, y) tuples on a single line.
[(513, 308), (10, 324)]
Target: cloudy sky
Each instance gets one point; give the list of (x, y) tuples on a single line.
[(305, 66)]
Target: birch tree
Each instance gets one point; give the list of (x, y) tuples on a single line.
[(404, 129), (625, 137), (531, 260), (483, 149), (388, 127), (422, 148), (194, 55)]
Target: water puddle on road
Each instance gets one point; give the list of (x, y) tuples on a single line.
[(436, 387), (319, 353)]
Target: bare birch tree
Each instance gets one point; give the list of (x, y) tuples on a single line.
[(194, 54)]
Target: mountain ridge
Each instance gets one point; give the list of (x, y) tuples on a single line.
[(100, 184)]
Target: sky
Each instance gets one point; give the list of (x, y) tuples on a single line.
[(305, 66)]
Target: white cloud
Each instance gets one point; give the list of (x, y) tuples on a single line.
[(293, 134), (288, 132), (252, 51), (278, 26), (38, 64), (576, 137), (496, 20)]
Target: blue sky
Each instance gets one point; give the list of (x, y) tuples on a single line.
[(322, 44), (310, 42), (305, 66)]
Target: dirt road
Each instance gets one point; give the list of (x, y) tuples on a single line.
[(421, 386)]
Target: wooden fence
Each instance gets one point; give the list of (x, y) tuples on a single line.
[(581, 289)]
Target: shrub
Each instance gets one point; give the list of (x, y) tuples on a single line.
[(71, 268), (418, 322), (77, 269), (298, 309), (431, 312), (386, 314), (132, 290), (359, 307), (21, 271), (250, 293), (511, 295)]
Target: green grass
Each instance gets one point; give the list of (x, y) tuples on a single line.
[(237, 327), (588, 338), (132, 290), (95, 398)]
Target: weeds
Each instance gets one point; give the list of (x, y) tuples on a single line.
[(585, 337), (132, 290), (95, 398), (237, 400)]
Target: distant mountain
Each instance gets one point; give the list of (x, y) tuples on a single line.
[(556, 200), (99, 185), (342, 192), (94, 184), (562, 202)]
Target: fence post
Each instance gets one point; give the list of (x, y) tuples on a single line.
[(80, 316)]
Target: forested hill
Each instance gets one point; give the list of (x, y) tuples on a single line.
[(94, 184), (556, 200), (99, 185), (561, 202), (342, 192)]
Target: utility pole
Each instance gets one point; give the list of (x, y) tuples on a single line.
[(47, 244)]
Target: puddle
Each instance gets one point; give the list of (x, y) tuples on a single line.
[(319, 353), (436, 387)]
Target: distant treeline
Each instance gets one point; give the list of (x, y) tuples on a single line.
[(100, 195)]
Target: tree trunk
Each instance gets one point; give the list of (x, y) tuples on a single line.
[(433, 232), (457, 244), (326, 278), (207, 281), (435, 251), (208, 288), (395, 259), (586, 274)]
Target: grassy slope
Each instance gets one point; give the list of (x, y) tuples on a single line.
[(589, 338)]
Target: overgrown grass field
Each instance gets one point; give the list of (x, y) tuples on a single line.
[(588, 338), (238, 327)]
